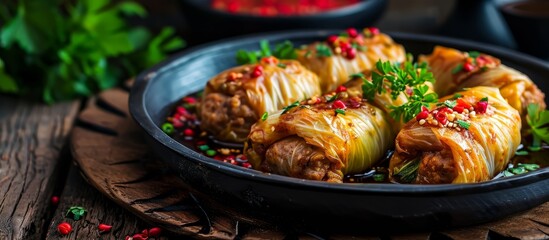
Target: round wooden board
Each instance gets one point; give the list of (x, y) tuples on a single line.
[(112, 155)]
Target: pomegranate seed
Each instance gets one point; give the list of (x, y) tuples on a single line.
[(338, 104), (104, 228), (468, 67), (155, 232), (188, 132), (441, 118), (341, 89), (181, 110), (352, 32), (422, 115), (481, 107), (351, 53), (423, 108), (138, 236), (247, 165), (258, 71), (177, 123), (332, 39), (373, 30), (190, 100), (145, 233), (55, 200), (64, 228)]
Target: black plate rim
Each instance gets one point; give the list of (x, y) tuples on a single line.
[(138, 112)]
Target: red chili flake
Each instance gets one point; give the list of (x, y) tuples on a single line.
[(332, 39), (188, 132), (246, 165), (468, 67), (104, 228), (351, 53), (338, 104), (344, 46), (258, 71), (177, 123), (373, 30), (352, 32), (459, 108), (445, 110), (341, 89), (138, 236), (64, 228), (189, 100), (54, 200), (441, 118), (155, 232), (268, 60), (481, 107), (422, 115)]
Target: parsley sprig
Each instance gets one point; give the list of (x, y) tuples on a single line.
[(283, 50), (538, 119), (397, 79)]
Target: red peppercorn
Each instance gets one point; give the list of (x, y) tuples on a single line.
[(481, 107), (341, 89), (422, 115), (373, 30), (258, 71), (155, 232), (188, 132), (468, 67), (54, 200), (332, 39), (441, 118), (352, 32), (338, 104), (351, 53), (64, 228), (104, 228)]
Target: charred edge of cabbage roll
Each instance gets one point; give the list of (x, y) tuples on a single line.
[(236, 98)]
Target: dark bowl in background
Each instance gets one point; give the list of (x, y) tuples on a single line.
[(529, 24), (319, 205), (208, 24)]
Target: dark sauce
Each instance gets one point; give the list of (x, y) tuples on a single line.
[(187, 131)]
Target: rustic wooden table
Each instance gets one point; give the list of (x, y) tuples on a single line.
[(36, 164)]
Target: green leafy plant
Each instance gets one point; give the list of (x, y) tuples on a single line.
[(76, 212), (538, 119), (59, 49), (283, 50)]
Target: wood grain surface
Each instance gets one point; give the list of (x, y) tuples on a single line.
[(31, 140), (111, 153)]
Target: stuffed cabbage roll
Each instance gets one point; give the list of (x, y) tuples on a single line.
[(469, 138), (455, 70), (340, 56), (322, 138), (236, 98)]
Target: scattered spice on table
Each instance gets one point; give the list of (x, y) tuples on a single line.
[(64, 228)]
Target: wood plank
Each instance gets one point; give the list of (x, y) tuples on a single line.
[(78, 192), (31, 138)]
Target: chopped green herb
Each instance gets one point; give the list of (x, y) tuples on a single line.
[(529, 166), (450, 103), (517, 170), (285, 50), (265, 48), (264, 116), (76, 212), (168, 128), (340, 111), (322, 50), (463, 124), (308, 53), (474, 54), (408, 172), (484, 99), (211, 152), (333, 98), (204, 147), (287, 108), (457, 95), (521, 153), (379, 177), (457, 69), (357, 75), (281, 65), (246, 57), (506, 173)]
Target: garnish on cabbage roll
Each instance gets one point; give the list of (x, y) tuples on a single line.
[(353, 52), (455, 70), (469, 137), (236, 98), (322, 138)]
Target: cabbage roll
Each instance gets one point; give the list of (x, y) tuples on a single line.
[(322, 138), (236, 98), (455, 70), (469, 138), (340, 56)]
